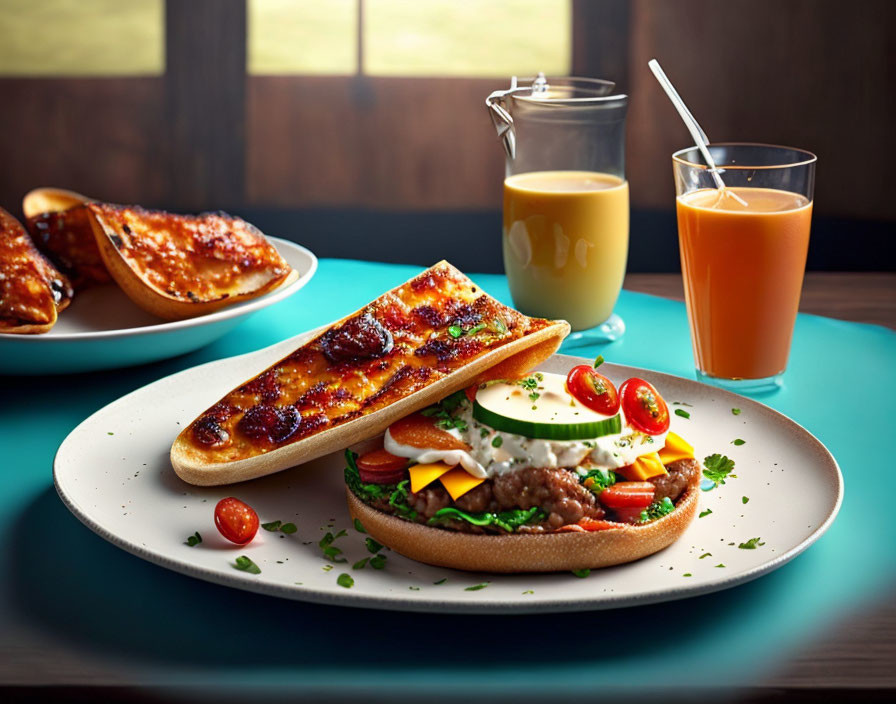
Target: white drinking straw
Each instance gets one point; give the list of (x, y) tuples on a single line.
[(700, 138)]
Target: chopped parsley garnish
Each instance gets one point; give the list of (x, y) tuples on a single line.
[(444, 412), (441, 581), (704, 513), (359, 526), (477, 587), (745, 499), (751, 544), (497, 441), (327, 568), (735, 411), (596, 480), (331, 552), (598, 361), (720, 565), (372, 545), (717, 468), (657, 509), (194, 540), (529, 591), (581, 574), (534, 396), (378, 561), (274, 526), (682, 403), (455, 331), (680, 412), (706, 554), (244, 564), (738, 442), (687, 574), (345, 580), (360, 564), (483, 432), (414, 589), (508, 520)]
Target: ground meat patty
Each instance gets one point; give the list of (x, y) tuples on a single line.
[(557, 492), (671, 485)]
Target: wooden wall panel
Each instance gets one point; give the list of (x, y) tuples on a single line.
[(102, 137), (804, 73), (403, 144)]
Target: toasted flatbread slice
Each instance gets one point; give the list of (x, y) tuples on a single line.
[(66, 238), (181, 266), (431, 336), (32, 291)]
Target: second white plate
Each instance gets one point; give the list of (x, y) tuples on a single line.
[(114, 474), (104, 329)]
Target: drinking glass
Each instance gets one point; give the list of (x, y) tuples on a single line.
[(566, 209), (743, 255)]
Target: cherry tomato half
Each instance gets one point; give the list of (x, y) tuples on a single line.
[(593, 390), (470, 392), (644, 408), (628, 495), (236, 521), (381, 467)]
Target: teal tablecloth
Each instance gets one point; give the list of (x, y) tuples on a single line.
[(150, 625)]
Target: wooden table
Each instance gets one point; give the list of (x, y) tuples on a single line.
[(860, 654)]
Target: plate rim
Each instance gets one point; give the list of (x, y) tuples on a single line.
[(218, 316), (503, 607)]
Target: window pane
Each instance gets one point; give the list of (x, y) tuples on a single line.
[(303, 36), (467, 37), (82, 37)]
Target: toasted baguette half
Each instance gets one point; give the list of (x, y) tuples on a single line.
[(356, 397), (32, 291), (217, 259)]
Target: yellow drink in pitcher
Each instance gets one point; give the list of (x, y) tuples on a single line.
[(566, 243)]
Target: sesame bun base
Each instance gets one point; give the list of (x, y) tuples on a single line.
[(538, 552)]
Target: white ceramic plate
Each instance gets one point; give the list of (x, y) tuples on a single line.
[(113, 473), (104, 329)]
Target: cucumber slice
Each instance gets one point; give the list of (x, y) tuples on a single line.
[(547, 431)]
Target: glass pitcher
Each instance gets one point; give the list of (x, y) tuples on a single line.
[(566, 209)]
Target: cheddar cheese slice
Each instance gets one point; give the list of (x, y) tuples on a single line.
[(676, 449), (423, 475), (643, 468), (458, 482)]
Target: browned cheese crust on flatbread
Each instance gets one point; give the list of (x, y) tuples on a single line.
[(32, 291), (179, 266), (66, 237)]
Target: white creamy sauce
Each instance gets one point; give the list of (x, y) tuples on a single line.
[(553, 405)]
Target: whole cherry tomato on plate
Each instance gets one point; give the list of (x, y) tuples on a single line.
[(644, 408), (593, 390), (235, 520)]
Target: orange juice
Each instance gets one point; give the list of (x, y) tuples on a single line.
[(565, 243), (743, 270)]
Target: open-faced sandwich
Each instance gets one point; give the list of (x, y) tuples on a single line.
[(429, 337), (539, 473)]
